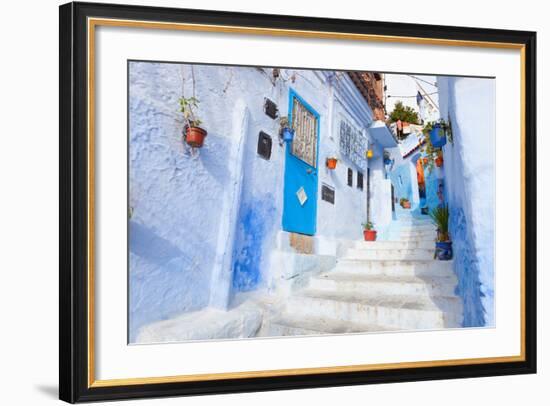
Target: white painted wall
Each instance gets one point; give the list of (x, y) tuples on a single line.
[(219, 209), (469, 167)]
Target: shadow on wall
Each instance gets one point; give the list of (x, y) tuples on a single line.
[(161, 278), (467, 269)]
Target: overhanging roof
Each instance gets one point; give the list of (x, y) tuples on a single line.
[(382, 134)]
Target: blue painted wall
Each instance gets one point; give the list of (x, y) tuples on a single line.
[(255, 226), (469, 167), (401, 180)]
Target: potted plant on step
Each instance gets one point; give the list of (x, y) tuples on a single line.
[(368, 232), (405, 203), (193, 134), (285, 129), (443, 244), (331, 162)]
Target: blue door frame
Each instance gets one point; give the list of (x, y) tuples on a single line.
[(297, 217)]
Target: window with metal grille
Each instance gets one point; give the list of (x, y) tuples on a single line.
[(350, 177), (304, 122), (359, 180)]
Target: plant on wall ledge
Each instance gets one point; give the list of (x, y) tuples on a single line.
[(443, 245), (438, 132), (286, 131), (368, 231), (193, 134)]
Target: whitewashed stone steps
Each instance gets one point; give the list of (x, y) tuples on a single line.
[(402, 312), (389, 285), (394, 245), (418, 226), (385, 254), (290, 325), (414, 234), (396, 267)]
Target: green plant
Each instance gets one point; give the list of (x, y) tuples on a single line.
[(404, 113), (369, 225), (440, 217), (189, 106), (284, 122), (403, 200), (430, 153)]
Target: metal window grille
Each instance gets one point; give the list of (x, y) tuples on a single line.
[(304, 145)]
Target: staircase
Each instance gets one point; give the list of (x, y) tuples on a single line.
[(376, 286)]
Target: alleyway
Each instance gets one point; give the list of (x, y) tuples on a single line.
[(377, 286)]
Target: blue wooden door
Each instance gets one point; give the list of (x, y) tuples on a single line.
[(301, 166)]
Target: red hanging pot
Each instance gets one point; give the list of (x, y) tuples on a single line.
[(331, 163), (194, 136)]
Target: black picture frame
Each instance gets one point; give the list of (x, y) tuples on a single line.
[(74, 384)]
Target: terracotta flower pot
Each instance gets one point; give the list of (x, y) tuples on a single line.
[(331, 163), (194, 136), (370, 235), (406, 205), (439, 161)]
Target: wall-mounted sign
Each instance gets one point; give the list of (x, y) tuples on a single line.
[(353, 144), (327, 193)]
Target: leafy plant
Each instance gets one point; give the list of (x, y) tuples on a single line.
[(403, 200), (369, 225), (440, 217), (284, 122), (430, 153), (189, 106), (404, 113)]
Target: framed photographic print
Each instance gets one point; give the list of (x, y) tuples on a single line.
[(257, 202)]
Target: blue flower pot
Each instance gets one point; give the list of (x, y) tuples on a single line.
[(444, 250), (288, 134), (437, 136)]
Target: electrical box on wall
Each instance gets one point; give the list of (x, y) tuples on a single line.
[(328, 193), (271, 109), (264, 145)]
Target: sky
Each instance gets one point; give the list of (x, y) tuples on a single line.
[(408, 85)]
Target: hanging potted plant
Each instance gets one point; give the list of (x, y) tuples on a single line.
[(368, 232), (387, 158), (443, 245), (438, 131), (439, 159), (193, 134), (331, 162), (285, 129)]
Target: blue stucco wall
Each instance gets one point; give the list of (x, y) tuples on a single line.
[(172, 238), (187, 205), (469, 167), (401, 180), (432, 185)]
